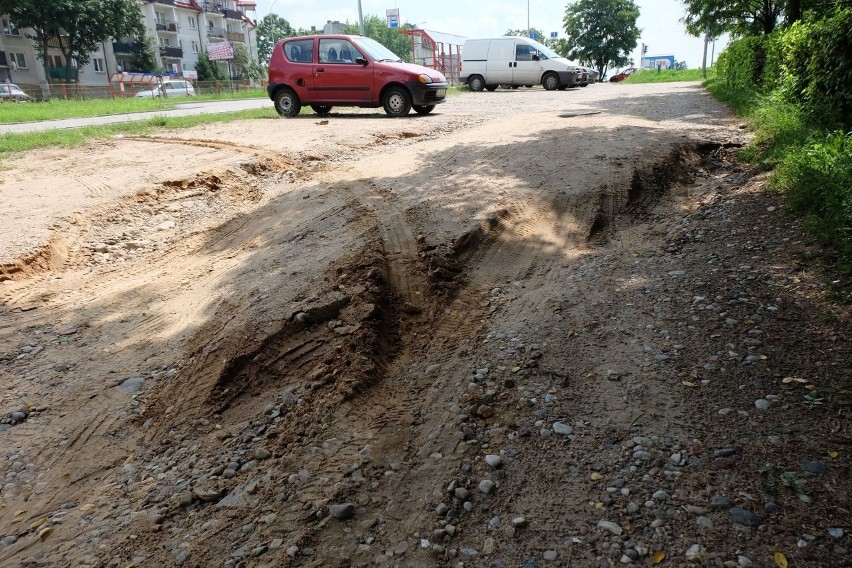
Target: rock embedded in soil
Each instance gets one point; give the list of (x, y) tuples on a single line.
[(494, 460), (611, 527), (744, 517), (487, 486), (813, 466), (342, 511)]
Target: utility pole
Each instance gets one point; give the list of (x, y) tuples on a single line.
[(360, 19), (528, 17), (704, 61)]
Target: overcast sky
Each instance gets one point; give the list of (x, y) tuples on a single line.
[(661, 29)]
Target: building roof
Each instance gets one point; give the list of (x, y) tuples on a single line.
[(440, 37)]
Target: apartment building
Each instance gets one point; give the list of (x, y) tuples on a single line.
[(180, 28)]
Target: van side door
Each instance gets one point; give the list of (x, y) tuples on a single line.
[(501, 61), (527, 70)]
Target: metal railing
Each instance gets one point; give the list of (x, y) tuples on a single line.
[(60, 73), (236, 36), (216, 32), (126, 47), (174, 52), (166, 26)]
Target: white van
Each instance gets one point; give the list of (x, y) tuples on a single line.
[(515, 61)]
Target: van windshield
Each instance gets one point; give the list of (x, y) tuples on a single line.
[(375, 50), (544, 51)]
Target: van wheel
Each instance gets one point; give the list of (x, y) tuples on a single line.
[(423, 109), (550, 81), (397, 102), (287, 103), (476, 83), (528, 86), (322, 110), (491, 88)]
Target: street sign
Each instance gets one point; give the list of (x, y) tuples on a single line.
[(554, 34), (533, 35)]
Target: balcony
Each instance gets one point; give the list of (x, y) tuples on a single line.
[(126, 47), (232, 14), (236, 36), (216, 32), (167, 26), (214, 7), (59, 73), (171, 52)]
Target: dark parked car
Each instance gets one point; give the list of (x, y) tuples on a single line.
[(339, 70)]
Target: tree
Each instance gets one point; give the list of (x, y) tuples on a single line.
[(208, 70), (241, 60), (41, 16), (270, 29), (601, 32), (739, 17), (145, 59), (79, 26), (376, 28)]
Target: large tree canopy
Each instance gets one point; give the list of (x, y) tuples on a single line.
[(270, 29), (79, 26), (601, 32), (740, 17)]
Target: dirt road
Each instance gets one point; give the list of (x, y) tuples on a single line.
[(531, 329)]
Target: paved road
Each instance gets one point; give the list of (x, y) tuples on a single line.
[(183, 109)]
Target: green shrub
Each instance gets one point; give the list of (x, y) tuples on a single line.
[(817, 177)]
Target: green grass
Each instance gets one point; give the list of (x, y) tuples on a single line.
[(69, 138), (809, 164), (669, 75), (57, 109)]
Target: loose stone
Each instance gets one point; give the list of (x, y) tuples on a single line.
[(494, 460), (342, 511), (610, 526), (744, 517), (487, 486)]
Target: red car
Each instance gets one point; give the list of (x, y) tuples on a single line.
[(622, 76), (338, 70)]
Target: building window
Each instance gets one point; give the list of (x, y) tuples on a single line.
[(160, 18), (19, 60), (9, 28), (100, 67), (192, 22), (55, 61), (194, 47)]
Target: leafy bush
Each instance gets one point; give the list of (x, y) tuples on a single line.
[(817, 177)]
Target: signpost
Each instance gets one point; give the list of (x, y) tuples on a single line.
[(392, 16)]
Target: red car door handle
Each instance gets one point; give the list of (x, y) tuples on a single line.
[(320, 69)]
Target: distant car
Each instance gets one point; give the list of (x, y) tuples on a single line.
[(12, 92), (594, 76), (622, 75), (169, 88)]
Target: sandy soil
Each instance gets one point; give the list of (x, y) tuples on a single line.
[(532, 329)]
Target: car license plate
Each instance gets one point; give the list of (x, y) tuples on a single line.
[(441, 93)]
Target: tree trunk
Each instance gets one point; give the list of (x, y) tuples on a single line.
[(794, 11)]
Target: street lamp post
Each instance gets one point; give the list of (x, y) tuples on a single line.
[(360, 19)]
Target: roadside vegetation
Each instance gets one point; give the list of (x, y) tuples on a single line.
[(670, 75), (69, 138), (792, 87)]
